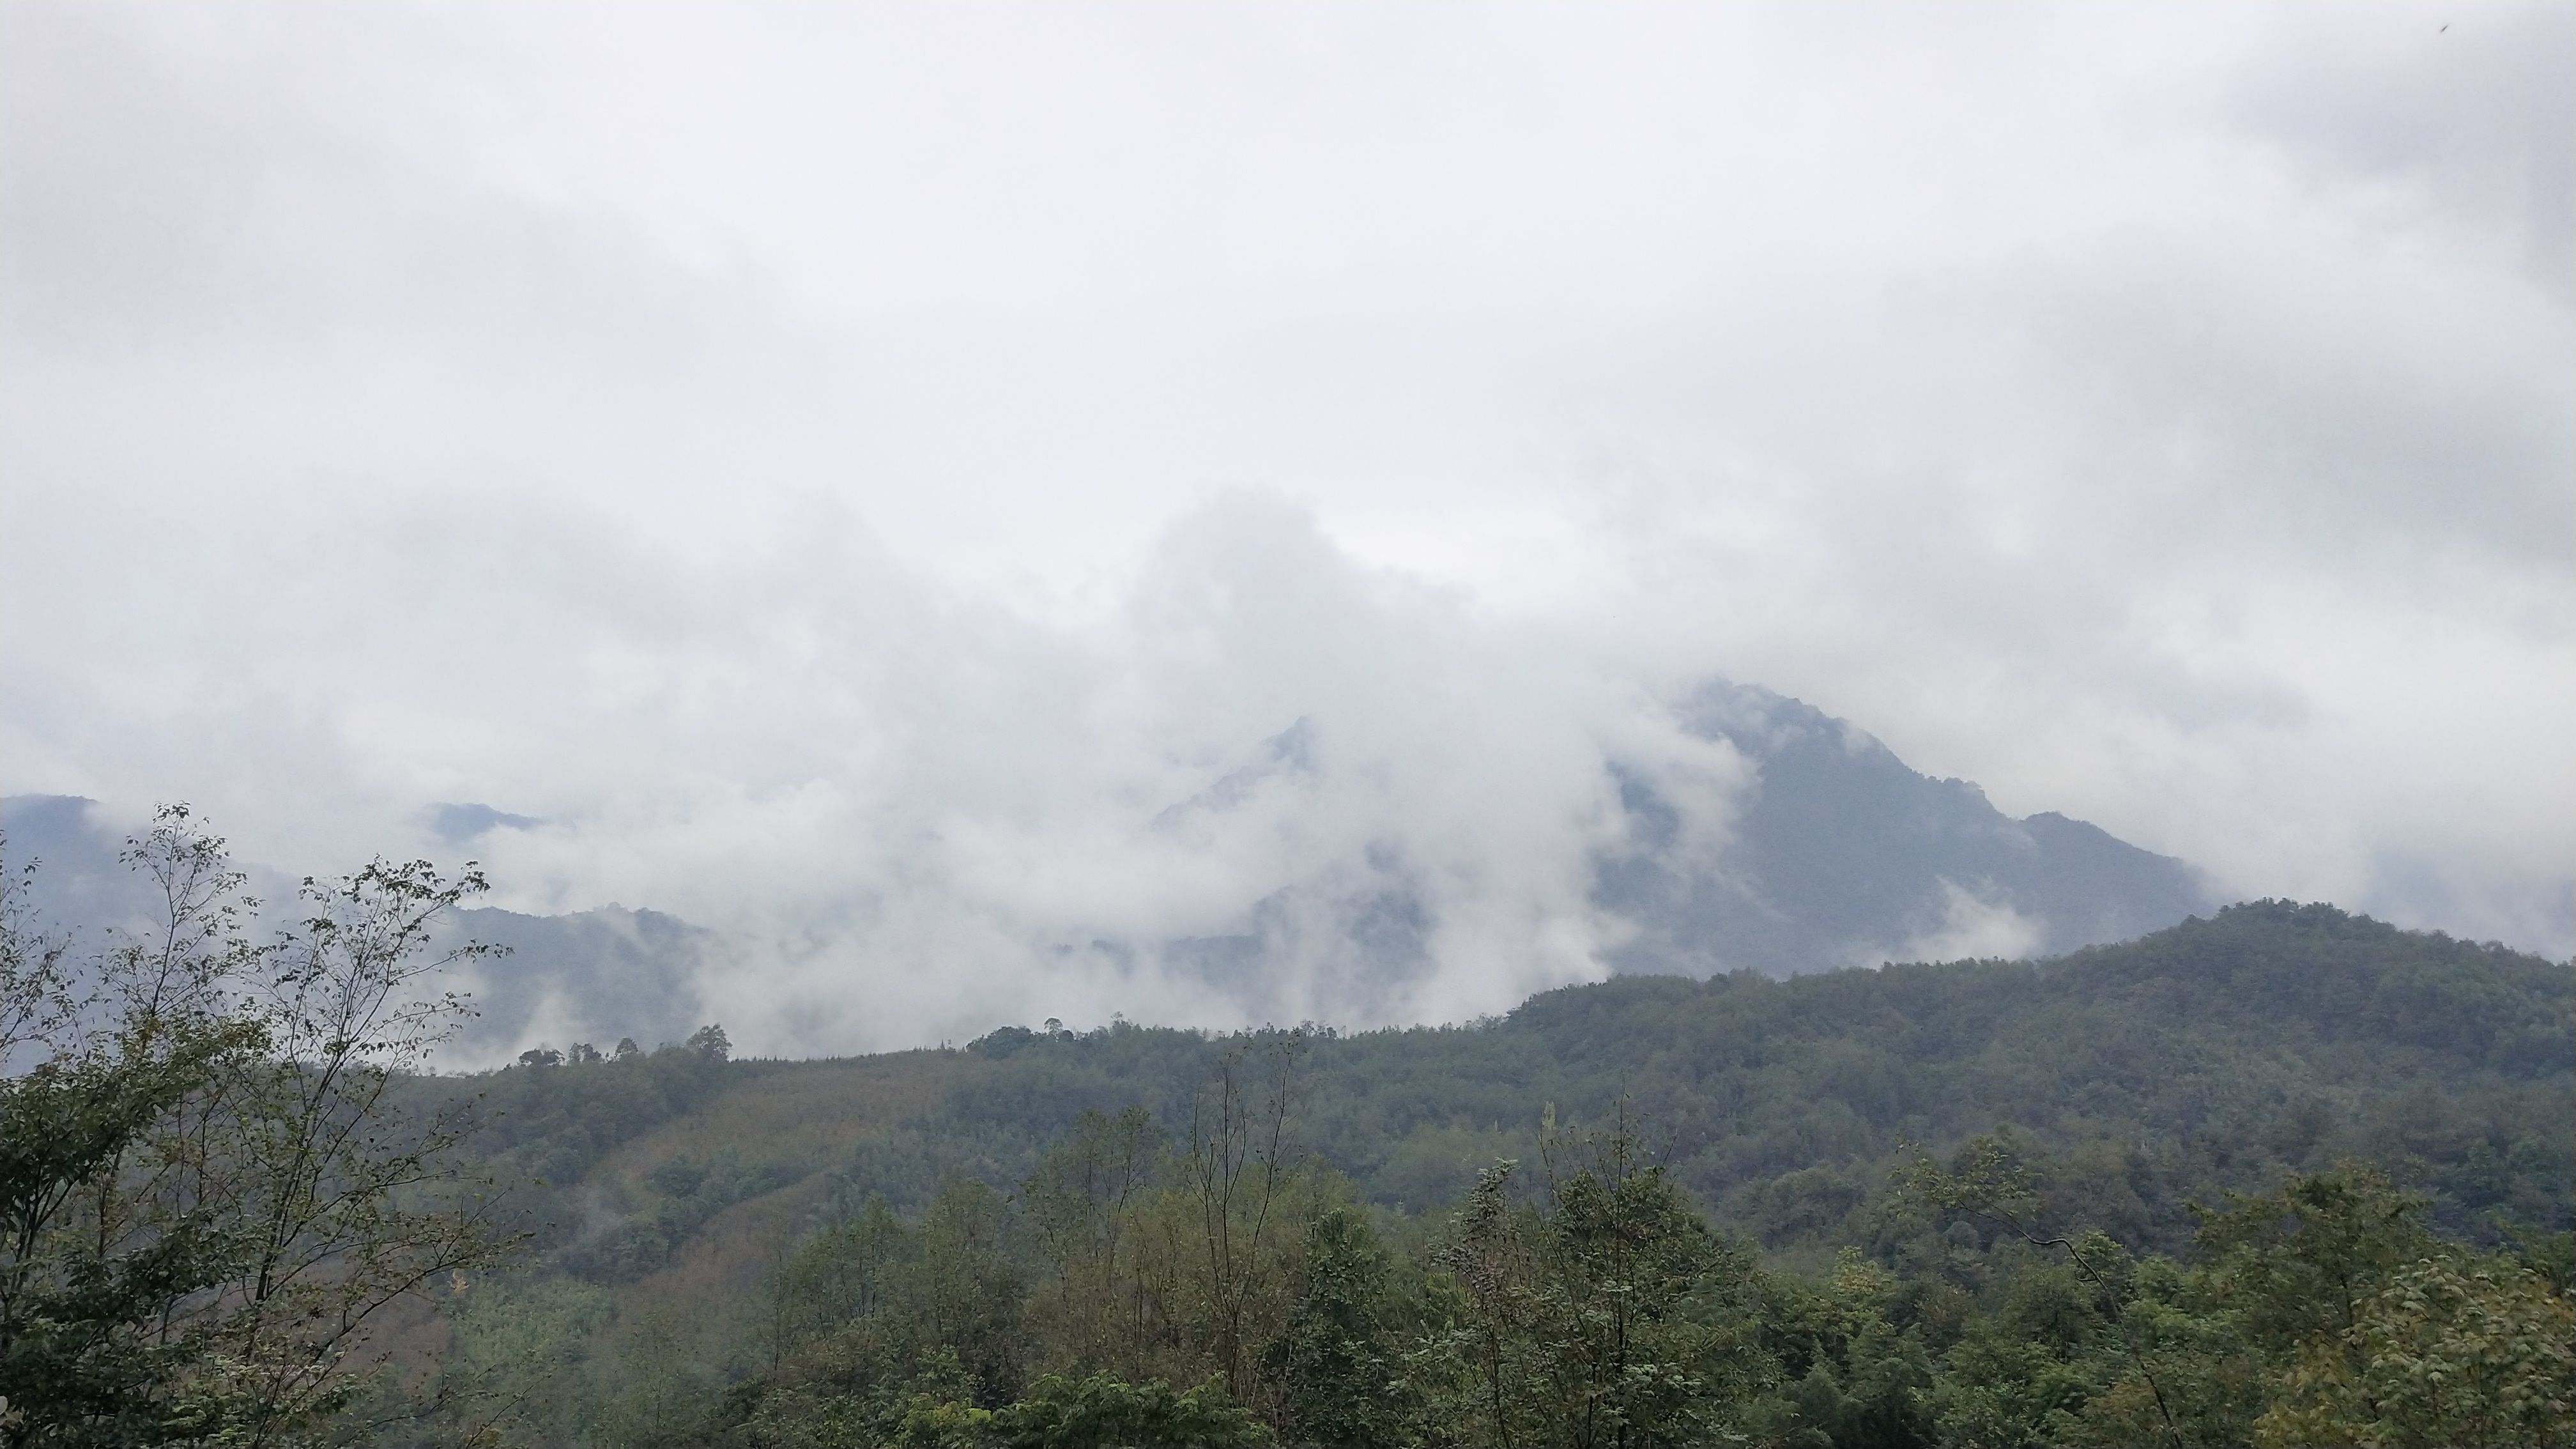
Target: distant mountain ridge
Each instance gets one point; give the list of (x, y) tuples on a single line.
[(1842, 855), (604, 973), (589, 976), (1828, 851)]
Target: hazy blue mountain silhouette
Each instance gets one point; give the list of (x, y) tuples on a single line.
[(1842, 854), (1836, 854), (592, 976), (81, 880), (600, 974)]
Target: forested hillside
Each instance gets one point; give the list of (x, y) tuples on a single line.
[(1338, 1237)]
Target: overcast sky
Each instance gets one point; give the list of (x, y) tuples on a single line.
[(846, 470)]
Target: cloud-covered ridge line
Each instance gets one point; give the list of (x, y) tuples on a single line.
[(1010, 822)]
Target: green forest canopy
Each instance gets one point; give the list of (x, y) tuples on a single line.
[(2285, 1176), (2219, 1054), (2273, 1044)]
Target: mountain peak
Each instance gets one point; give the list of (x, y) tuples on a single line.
[(1843, 855)]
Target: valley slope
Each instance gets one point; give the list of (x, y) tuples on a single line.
[(2217, 1055)]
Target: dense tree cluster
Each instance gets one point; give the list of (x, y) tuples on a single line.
[(1130, 1293)]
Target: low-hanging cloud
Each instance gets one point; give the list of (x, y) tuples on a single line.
[(857, 478), (914, 815)]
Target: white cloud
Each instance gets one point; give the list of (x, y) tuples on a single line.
[(851, 470), (1972, 928)]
